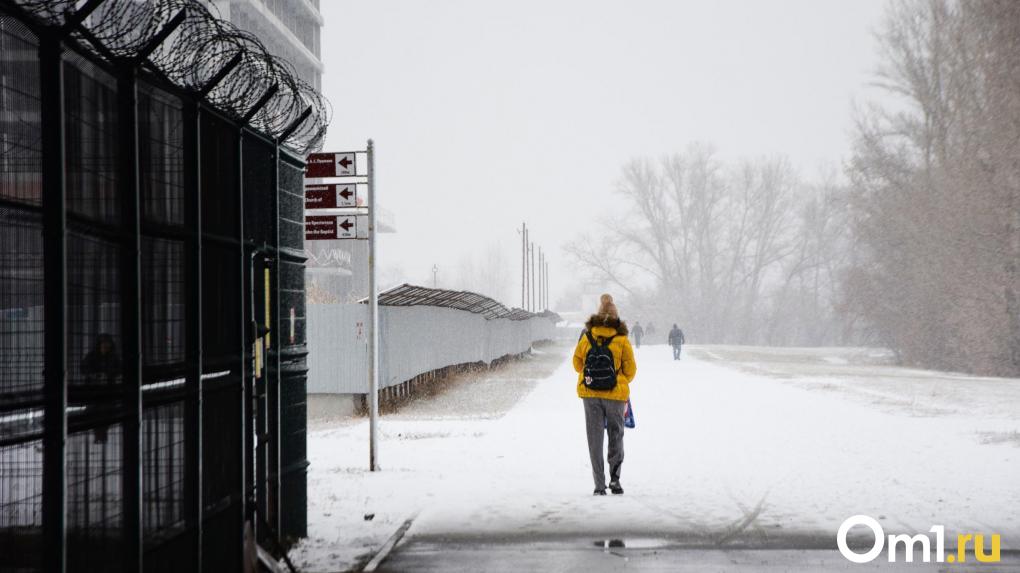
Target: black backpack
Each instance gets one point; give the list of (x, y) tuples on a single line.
[(599, 367)]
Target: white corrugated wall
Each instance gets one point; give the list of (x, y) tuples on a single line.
[(413, 340)]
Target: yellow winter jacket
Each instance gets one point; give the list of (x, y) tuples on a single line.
[(623, 358)]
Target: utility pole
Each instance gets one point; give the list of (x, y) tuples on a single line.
[(541, 279), (524, 263), (547, 283), (527, 270), (531, 252)]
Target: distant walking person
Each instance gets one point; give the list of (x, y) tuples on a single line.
[(605, 367), (650, 331), (638, 334), (676, 340)]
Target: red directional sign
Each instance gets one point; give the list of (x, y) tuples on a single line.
[(331, 196), (330, 227), (331, 165), (320, 228)]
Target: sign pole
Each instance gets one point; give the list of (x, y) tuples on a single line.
[(373, 322)]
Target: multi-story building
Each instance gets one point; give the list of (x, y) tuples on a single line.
[(290, 29)]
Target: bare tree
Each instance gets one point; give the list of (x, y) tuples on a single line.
[(705, 244), (804, 306), (935, 181)]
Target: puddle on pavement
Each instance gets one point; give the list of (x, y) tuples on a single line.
[(638, 543)]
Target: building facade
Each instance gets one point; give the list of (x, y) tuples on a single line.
[(290, 29)]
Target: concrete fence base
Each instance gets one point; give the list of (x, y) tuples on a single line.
[(427, 384)]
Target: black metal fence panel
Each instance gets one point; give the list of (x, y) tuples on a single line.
[(259, 187), (293, 410), (91, 136), (95, 504), (21, 160), (93, 310), (161, 148), (21, 305), (21, 301), (21, 496)]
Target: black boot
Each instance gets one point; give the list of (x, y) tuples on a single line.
[(615, 487), (599, 492)]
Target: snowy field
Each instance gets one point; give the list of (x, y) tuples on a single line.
[(734, 446)]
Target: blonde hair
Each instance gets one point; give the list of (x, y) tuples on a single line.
[(607, 309)]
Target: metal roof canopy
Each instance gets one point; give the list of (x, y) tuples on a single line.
[(411, 295)]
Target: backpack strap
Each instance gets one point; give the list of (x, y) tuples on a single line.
[(591, 340), (606, 341)]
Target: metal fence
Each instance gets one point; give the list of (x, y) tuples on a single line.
[(152, 377), (421, 330)]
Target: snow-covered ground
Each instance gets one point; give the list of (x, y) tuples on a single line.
[(732, 445)]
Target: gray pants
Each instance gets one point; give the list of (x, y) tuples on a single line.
[(601, 416)]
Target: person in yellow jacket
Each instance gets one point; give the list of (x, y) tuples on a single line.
[(604, 409)]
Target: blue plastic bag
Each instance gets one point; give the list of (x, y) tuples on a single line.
[(628, 416)]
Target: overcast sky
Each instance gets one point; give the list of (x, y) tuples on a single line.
[(487, 113)]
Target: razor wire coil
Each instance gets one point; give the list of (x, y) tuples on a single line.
[(258, 86)]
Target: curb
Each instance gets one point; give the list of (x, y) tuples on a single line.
[(387, 547)]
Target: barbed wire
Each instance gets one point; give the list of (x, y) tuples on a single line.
[(204, 54)]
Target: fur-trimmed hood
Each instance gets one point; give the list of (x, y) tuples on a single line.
[(608, 322)]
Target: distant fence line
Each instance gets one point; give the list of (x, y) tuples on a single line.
[(414, 339)]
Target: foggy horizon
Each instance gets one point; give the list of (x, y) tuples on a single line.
[(530, 112)]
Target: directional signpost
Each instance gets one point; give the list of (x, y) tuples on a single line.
[(340, 216), (342, 164), (320, 228), (332, 227), (331, 195)]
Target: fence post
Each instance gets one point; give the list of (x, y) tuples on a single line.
[(131, 312), (54, 504), (247, 359), (276, 353), (193, 328)]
